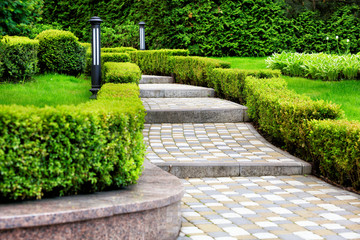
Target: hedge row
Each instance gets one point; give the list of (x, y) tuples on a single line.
[(309, 129), (106, 57), (156, 62), (18, 58), (72, 149), (118, 72)]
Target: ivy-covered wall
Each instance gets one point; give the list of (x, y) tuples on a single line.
[(221, 27)]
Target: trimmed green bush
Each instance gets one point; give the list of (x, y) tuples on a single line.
[(71, 149), (18, 58), (60, 52), (115, 72), (156, 62), (335, 150), (106, 57), (229, 83), (281, 113), (195, 70), (118, 50)]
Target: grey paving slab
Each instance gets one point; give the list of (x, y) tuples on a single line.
[(217, 150), (174, 91), (193, 110), (150, 79), (276, 209)]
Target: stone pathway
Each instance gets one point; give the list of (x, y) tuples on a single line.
[(220, 203), (268, 207)]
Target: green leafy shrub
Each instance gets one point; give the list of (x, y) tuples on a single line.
[(195, 70), (281, 113), (124, 35), (18, 58), (106, 57), (229, 83), (116, 72), (118, 50), (60, 52), (335, 150), (317, 66), (156, 62), (71, 149)]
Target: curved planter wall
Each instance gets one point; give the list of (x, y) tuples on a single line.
[(148, 210)]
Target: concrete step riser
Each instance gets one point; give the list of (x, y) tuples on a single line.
[(176, 93), (232, 170), (197, 116), (146, 79)]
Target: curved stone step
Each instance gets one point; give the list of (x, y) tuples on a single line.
[(217, 150), (193, 110), (149, 209), (174, 91), (150, 79)]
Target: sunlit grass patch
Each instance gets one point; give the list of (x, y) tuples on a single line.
[(48, 89)]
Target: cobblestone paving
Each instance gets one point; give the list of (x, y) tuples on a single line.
[(210, 142), (285, 207), (187, 103)]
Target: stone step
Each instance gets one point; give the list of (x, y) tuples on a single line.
[(148, 79), (193, 110), (174, 91), (217, 150)]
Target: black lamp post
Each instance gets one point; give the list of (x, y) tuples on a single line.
[(96, 57), (142, 35)]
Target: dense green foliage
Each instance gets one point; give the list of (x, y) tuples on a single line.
[(335, 150), (16, 15), (18, 58), (281, 112), (121, 72), (71, 149), (156, 62), (216, 28), (60, 52), (195, 70), (47, 90), (106, 57), (317, 66), (229, 83)]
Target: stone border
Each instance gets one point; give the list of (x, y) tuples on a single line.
[(149, 210)]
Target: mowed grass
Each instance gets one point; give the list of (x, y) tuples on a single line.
[(344, 93), (47, 90)]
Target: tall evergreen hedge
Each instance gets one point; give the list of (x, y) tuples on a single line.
[(222, 27)]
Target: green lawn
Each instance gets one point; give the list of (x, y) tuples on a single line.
[(344, 93), (48, 89)]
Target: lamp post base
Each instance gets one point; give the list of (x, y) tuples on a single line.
[(94, 92)]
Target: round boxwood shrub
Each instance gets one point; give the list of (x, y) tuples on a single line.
[(60, 51)]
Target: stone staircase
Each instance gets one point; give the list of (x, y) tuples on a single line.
[(190, 133)]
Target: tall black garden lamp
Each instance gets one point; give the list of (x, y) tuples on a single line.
[(96, 58), (142, 35)]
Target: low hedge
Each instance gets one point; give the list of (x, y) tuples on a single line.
[(335, 150), (116, 72), (156, 62), (229, 83), (281, 113), (118, 50), (18, 58), (195, 70), (106, 57), (71, 149), (60, 52)]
